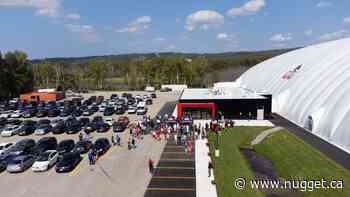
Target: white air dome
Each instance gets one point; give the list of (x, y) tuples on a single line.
[(310, 86)]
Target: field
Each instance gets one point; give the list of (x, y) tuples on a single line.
[(291, 157)]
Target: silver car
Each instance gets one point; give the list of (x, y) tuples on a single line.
[(20, 163)]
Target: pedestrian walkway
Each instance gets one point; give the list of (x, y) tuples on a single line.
[(175, 173), (203, 182)]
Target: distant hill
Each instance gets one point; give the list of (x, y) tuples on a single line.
[(127, 57)]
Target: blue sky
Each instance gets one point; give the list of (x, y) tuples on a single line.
[(57, 28)]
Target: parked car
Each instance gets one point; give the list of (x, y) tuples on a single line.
[(22, 147), (84, 121), (13, 121), (10, 130), (20, 163), (29, 113), (66, 112), (59, 128), (45, 161), (87, 112), (153, 95), (109, 121), (165, 89), (16, 114), (43, 129), (73, 126), (28, 128), (90, 127), (76, 112), (108, 111), (68, 162), (54, 112), (65, 146), (56, 122), (102, 127), (44, 144), (41, 113), (5, 146), (119, 110), (131, 109), (83, 146), (101, 146)]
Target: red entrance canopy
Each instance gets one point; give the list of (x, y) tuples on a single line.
[(182, 106)]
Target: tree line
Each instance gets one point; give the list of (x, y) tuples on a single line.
[(132, 72)]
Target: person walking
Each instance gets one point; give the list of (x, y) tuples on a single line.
[(210, 167), (118, 140), (113, 140), (151, 166), (80, 136), (90, 157), (133, 143)]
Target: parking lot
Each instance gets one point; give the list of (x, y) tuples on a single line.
[(119, 172)]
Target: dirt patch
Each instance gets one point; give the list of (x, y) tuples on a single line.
[(264, 170)]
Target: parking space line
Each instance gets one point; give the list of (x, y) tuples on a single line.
[(77, 168), (171, 189)]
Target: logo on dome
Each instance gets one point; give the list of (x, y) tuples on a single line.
[(290, 74)]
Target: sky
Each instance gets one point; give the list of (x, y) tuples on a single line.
[(62, 28)]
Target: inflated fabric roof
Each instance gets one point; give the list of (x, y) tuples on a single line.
[(311, 87)]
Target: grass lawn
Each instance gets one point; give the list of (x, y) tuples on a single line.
[(294, 159), (231, 164)]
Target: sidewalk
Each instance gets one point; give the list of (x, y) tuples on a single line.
[(204, 188)]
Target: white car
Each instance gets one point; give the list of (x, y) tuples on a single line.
[(16, 114), (102, 108), (45, 161), (10, 131), (5, 146), (109, 121), (141, 110), (5, 114), (131, 110)]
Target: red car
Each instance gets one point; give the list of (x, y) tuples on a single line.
[(123, 120)]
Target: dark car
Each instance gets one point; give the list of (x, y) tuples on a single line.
[(101, 146), (27, 128), (131, 101), (165, 89), (120, 110), (3, 165), (54, 112), (102, 127), (68, 162), (108, 111), (83, 146), (24, 146), (44, 121), (44, 144), (14, 121), (90, 127), (97, 119), (66, 112), (41, 113), (43, 129), (51, 105), (73, 126), (118, 127), (29, 113), (153, 95), (3, 121), (65, 146), (94, 108), (149, 101), (84, 121), (59, 128), (76, 112)]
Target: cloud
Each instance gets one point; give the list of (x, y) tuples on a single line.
[(323, 4), (308, 32), (281, 37), (49, 8), (347, 19), (334, 35), (250, 7), (139, 24), (222, 36), (72, 16), (204, 19), (87, 32)]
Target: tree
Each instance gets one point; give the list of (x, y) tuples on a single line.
[(97, 69)]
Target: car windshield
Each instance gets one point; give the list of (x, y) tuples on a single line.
[(43, 126), (43, 157), (15, 161)]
